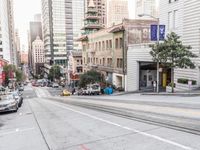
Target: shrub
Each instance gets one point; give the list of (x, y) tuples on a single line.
[(170, 84)]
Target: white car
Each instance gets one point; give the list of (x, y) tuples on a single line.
[(55, 85)]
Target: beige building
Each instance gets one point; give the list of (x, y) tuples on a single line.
[(103, 51), (108, 51), (37, 54), (76, 63), (117, 10)]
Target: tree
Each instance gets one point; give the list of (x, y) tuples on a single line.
[(173, 54), (54, 73), (90, 77), (8, 69)]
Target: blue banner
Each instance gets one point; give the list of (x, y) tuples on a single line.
[(162, 32), (154, 29)]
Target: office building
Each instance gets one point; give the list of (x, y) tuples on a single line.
[(117, 10), (37, 55), (7, 43), (149, 7)]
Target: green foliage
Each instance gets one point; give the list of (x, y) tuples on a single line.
[(90, 77), (11, 68), (185, 81), (54, 73), (173, 53)]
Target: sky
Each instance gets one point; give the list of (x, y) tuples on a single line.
[(24, 11)]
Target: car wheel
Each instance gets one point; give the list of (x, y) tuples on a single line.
[(16, 109)]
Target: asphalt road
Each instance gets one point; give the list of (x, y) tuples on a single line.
[(44, 124)]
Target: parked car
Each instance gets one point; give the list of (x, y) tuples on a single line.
[(55, 85), (18, 96), (2, 90), (21, 88), (91, 89), (8, 103)]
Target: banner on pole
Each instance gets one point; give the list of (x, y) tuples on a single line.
[(154, 29), (161, 32)]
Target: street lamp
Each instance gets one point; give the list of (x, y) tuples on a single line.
[(158, 23)]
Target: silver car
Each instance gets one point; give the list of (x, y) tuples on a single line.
[(8, 103)]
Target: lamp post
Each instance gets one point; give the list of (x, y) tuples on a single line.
[(157, 63)]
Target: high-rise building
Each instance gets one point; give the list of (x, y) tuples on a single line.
[(146, 7), (117, 10), (37, 55), (24, 55), (34, 31), (37, 18), (78, 17), (100, 8), (57, 30), (18, 48), (7, 43)]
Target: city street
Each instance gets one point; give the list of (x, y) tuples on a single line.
[(43, 123)]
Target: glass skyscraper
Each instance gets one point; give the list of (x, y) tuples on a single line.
[(62, 21)]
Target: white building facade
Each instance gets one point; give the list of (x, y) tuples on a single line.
[(183, 18)]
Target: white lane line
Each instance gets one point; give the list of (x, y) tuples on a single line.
[(124, 127), (16, 131)]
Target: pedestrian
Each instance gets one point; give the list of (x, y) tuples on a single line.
[(73, 91), (154, 86)]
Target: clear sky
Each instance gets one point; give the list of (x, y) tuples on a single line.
[(24, 11)]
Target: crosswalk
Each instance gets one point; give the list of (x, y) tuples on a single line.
[(42, 92)]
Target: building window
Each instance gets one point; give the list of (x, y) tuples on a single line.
[(120, 43), (99, 46), (170, 21), (103, 45), (110, 44), (175, 19), (116, 44), (107, 44), (119, 62), (103, 61)]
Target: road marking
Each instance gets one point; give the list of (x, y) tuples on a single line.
[(16, 131), (83, 147), (124, 127)]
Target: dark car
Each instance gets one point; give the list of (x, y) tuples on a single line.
[(8, 103)]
